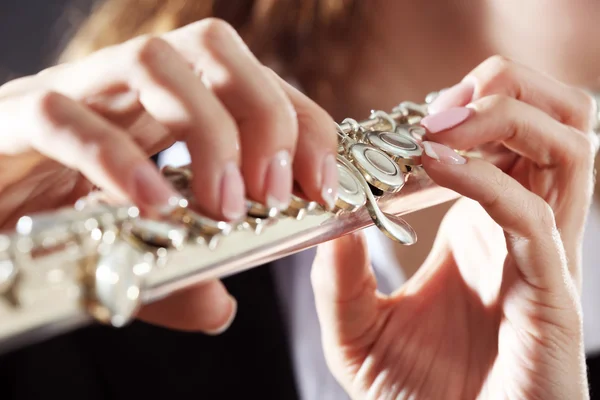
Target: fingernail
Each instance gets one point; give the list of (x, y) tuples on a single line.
[(329, 181), (233, 192), (228, 323), (152, 189), (458, 95), (446, 119), (443, 153), (279, 181)]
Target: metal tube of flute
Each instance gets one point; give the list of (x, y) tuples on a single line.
[(100, 263)]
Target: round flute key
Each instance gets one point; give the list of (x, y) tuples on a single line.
[(351, 195), (377, 168), (401, 147), (118, 282)]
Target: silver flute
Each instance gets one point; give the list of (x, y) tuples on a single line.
[(97, 262)]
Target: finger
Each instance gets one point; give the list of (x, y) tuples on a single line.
[(528, 221), (265, 116), (206, 308), (153, 75), (500, 76), (522, 128), (175, 97), (565, 155), (71, 134), (315, 165), (345, 290)]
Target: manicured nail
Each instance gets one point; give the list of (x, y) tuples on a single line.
[(329, 181), (446, 119), (442, 153), (152, 189), (458, 95), (227, 324), (233, 192), (279, 181)]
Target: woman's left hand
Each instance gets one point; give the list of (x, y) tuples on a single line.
[(494, 312)]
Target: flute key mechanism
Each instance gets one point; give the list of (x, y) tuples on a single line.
[(351, 195), (8, 269), (115, 276), (102, 262)]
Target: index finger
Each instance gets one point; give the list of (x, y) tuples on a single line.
[(500, 76)]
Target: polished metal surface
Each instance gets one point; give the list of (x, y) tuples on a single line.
[(100, 262), (377, 168), (351, 195), (403, 148)]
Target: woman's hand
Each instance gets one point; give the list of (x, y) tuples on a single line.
[(96, 121), (494, 311)]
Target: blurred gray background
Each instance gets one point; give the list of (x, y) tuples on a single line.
[(33, 32)]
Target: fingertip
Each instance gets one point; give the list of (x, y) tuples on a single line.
[(438, 155), (230, 317), (151, 190), (207, 308)]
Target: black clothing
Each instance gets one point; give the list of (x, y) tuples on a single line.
[(250, 360)]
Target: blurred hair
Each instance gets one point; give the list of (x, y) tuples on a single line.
[(303, 40)]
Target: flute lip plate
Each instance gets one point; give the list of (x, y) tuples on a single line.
[(378, 168)]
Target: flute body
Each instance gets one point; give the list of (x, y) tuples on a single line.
[(97, 262)]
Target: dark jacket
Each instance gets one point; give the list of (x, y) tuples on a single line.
[(141, 361)]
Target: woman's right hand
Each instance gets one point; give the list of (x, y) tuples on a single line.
[(96, 121)]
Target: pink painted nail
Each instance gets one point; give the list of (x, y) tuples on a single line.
[(442, 153), (279, 181), (458, 95), (446, 119), (151, 188), (233, 191), (329, 181)]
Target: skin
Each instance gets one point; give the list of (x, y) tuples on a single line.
[(558, 44), (101, 118), (483, 317)]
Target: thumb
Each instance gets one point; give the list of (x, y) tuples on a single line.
[(345, 290)]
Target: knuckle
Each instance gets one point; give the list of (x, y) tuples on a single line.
[(211, 31), (498, 66), (498, 62), (150, 49), (51, 107), (497, 102), (541, 214), (498, 74), (500, 104)]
